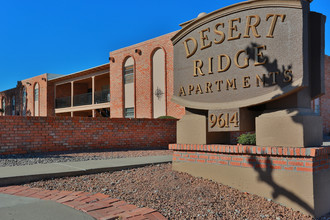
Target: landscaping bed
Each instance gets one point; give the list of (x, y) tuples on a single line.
[(58, 157), (175, 195)]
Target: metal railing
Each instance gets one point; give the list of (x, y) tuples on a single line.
[(101, 96), (63, 102), (82, 99)]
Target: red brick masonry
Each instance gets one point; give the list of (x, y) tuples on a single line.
[(19, 135), (281, 158), (97, 205), (325, 99)]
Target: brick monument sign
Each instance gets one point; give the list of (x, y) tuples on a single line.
[(252, 66)]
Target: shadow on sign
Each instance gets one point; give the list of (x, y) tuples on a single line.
[(266, 176)]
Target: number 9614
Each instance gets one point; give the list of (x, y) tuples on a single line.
[(224, 120)]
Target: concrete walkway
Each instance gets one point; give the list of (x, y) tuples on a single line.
[(19, 208), (23, 174), (15, 203)]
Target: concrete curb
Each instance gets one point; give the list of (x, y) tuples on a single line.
[(24, 174)]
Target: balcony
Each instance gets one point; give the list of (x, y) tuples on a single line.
[(82, 99), (102, 96), (63, 102)]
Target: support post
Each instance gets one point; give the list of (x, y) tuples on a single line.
[(72, 93), (93, 91)]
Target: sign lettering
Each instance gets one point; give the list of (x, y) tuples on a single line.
[(235, 59)]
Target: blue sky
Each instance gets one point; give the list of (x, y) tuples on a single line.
[(66, 36)]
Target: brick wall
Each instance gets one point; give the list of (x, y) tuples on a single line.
[(8, 97), (279, 158), (43, 93), (51, 99), (142, 77), (20, 135), (325, 100)]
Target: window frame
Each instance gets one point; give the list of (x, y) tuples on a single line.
[(129, 112), (36, 98), (4, 106), (13, 105), (129, 74), (24, 97)]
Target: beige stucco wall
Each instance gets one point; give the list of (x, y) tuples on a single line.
[(129, 95), (322, 192), (292, 189), (158, 80)]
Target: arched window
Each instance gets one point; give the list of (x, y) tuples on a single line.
[(128, 72), (158, 83), (4, 106), (36, 99), (24, 101), (13, 105)]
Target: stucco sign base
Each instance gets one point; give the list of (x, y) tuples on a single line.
[(193, 129), (289, 128), (298, 178)]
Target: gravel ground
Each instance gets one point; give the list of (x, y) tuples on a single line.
[(57, 157), (176, 195)]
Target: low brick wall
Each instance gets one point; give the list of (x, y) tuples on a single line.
[(19, 135), (298, 178), (279, 158)]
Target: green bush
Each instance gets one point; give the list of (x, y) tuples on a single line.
[(247, 139), (166, 117)]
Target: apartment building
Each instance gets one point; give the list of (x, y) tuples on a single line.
[(136, 83), (85, 93)]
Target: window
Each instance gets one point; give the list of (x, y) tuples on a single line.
[(4, 106), (129, 112), (36, 99), (316, 106), (128, 74), (24, 101), (36, 92), (13, 106), (129, 89), (106, 92)]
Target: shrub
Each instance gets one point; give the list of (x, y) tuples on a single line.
[(166, 117), (247, 139)]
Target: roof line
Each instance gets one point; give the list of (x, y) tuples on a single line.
[(79, 71)]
